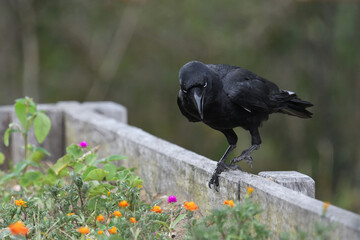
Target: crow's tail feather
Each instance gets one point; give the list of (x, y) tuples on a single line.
[(294, 106)]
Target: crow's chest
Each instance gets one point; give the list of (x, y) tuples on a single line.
[(224, 115)]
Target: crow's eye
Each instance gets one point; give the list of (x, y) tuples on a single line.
[(184, 91), (205, 84)]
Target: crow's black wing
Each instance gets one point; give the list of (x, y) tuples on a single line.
[(250, 91), (183, 110)]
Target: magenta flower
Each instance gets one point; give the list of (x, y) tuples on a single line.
[(83, 144), (172, 199)]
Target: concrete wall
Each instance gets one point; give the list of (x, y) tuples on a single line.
[(169, 169)]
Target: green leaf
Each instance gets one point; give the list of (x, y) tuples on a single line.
[(43, 150), (7, 133), (75, 150), (79, 167), (50, 178), (22, 110), (162, 223), (111, 168), (42, 125), (37, 156), (96, 174), (86, 172), (98, 190), (112, 158), (31, 178), (6, 137), (2, 158), (178, 219), (91, 158), (134, 181), (61, 164), (95, 202)]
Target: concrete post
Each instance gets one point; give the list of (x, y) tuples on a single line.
[(291, 179)]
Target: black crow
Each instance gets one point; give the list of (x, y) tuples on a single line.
[(224, 97)]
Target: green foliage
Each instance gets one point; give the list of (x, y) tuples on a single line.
[(2, 158), (239, 222), (72, 192), (28, 116)]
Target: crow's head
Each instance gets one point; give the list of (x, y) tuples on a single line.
[(195, 79)]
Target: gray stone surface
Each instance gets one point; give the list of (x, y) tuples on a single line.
[(172, 170), (169, 169), (5, 119), (291, 179), (109, 109)]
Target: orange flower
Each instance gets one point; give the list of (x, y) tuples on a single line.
[(84, 230), (191, 206), (18, 228), (229, 203), (112, 230), (117, 214), (326, 205), (20, 202), (100, 232), (69, 214), (123, 204), (249, 190), (133, 220), (100, 218), (156, 209), (108, 193)]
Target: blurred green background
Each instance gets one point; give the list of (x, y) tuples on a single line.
[(130, 52)]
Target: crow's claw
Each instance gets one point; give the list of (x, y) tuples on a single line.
[(220, 167), (214, 180), (248, 159), (234, 167)]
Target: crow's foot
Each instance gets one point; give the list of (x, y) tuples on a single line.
[(245, 155), (221, 167)]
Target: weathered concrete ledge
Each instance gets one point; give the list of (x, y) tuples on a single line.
[(169, 169)]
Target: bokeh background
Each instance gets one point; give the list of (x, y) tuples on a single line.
[(130, 52)]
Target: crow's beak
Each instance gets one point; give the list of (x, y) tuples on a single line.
[(199, 101)]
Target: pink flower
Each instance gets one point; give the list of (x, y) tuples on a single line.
[(172, 199), (83, 144)]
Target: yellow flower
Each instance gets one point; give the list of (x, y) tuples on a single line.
[(229, 203), (133, 220), (123, 204), (18, 228), (117, 214), (100, 232), (84, 230), (100, 218), (20, 202), (156, 209), (69, 214), (112, 230), (140, 186), (191, 206), (249, 190), (108, 193)]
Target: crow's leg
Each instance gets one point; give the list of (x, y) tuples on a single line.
[(221, 166), (246, 154)]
